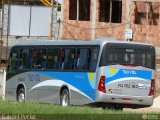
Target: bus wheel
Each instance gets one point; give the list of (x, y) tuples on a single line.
[(21, 95), (64, 98)]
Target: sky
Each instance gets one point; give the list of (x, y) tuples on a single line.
[(60, 1)]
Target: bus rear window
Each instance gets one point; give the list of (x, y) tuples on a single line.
[(128, 57)]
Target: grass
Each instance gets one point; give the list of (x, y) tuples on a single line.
[(50, 111), (36, 108)]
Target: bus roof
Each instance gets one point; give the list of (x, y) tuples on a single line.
[(99, 41)]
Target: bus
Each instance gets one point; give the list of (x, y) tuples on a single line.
[(78, 72)]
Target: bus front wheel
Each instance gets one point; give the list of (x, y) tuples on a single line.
[(64, 98), (21, 95)]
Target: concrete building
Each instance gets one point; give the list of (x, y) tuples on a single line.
[(88, 19), (110, 18)]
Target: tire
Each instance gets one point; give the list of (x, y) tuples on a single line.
[(64, 98), (21, 95)]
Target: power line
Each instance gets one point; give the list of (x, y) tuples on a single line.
[(69, 31), (96, 28)]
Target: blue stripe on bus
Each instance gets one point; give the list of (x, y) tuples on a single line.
[(80, 80), (113, 74)]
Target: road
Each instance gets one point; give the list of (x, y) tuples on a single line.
[(155, 108)]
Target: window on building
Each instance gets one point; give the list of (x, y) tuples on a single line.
[(84, 10), (79, 10), (73, 10), (110, 11), (147, 13), (104, 14)]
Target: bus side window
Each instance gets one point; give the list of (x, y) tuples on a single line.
[(65, 65), (62, 56), (69, 59), (50, 61), (13, 61), (72, 59), (30, 59), (24, 59), (56, 58), (84, 57), (53, 58), (37, 53), (93, 60), (43, 59), (77, 59)]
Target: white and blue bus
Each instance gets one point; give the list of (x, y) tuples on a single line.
[(68, 72)]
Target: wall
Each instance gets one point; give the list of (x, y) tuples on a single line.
[(82, 29)]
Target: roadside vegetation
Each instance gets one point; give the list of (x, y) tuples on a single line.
[(51, 112)]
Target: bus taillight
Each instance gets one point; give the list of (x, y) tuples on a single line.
[(101, 86), (152, 88)]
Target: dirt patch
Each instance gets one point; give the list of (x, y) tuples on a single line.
[(155, 108)]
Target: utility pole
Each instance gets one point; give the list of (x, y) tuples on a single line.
[(93, 31), (5, 27), (128, 31), (1, 36), (51, 21)]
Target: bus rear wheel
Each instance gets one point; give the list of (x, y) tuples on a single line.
[(21, 95), (64, 98)]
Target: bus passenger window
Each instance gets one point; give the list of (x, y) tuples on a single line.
[(30, 59), (72, 59), (13, 61), (93, 60), (62, 55), (24, 59), (69, 59), (56, 58), (37, 53), (43, 59), (53, 58), (77, 59), (50, 61), (84, 57)]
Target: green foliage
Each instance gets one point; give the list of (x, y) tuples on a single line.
[(56, 112)]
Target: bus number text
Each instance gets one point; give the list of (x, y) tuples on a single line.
[(33, 77)]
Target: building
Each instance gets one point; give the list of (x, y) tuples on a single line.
[(88, 19), (7, 39)]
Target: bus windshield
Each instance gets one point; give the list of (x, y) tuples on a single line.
[(128, 56)]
